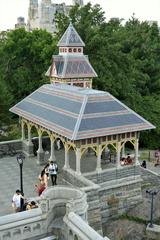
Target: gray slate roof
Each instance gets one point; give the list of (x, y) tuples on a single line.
[(70, 38), (79, 113), (71, 66)]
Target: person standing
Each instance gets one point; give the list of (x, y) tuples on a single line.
[(16, 201), (40, 188), (53, 169), (58, 144), (43, 177)]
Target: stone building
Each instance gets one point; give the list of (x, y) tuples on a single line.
[(41, 13), (20, 23)]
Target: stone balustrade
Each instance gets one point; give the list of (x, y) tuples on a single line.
[(23, 225), (77, 229), (53, 203)]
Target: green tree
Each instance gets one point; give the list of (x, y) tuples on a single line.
[(27, 56)]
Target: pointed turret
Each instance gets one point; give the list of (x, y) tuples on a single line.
[(71, 38), (71, 66)]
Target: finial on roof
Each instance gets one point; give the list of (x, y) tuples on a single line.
[(70, 21)]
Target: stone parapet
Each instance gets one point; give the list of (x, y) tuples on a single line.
[(15, 145), (113, 174), (79, 229), (154, 232), (23, 225)]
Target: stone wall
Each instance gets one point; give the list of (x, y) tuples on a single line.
[(117, 198), (149, 176), (109, 193), (10, 147), (71, 178), (113, 174), (94, 209)]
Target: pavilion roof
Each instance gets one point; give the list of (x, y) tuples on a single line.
[(79, 113), (70, 38), (71, 66)]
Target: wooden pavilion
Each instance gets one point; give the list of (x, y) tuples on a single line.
[(80, 116)]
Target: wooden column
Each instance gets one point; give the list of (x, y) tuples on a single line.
[(123, 150), (29, 135), (136, 151), (99, 153), (40, 152), (23, 130), (78, 159), (66, 165), (52, 156), (118, 154)]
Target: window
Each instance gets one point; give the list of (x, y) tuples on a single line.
[(128, 135), (133, 134), (123, 135), (114, 137), (103, 139)]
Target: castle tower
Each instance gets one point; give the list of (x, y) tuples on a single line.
[(79, 2), (46, 2), (71, 66), (47, 12), (33, 15)]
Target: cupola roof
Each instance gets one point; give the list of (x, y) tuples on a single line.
[(71, 38)]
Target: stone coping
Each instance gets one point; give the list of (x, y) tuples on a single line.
[(109, 170), (18, 219), (120, 183), (150, 171), (10, 141), (81, 228), (88, 184), (62, 192)]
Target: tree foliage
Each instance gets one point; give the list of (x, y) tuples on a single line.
[(126, 58)]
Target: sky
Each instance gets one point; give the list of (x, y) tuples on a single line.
[(10, 10)]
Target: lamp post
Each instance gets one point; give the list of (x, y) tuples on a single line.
[(152, 193), (20, 159)]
